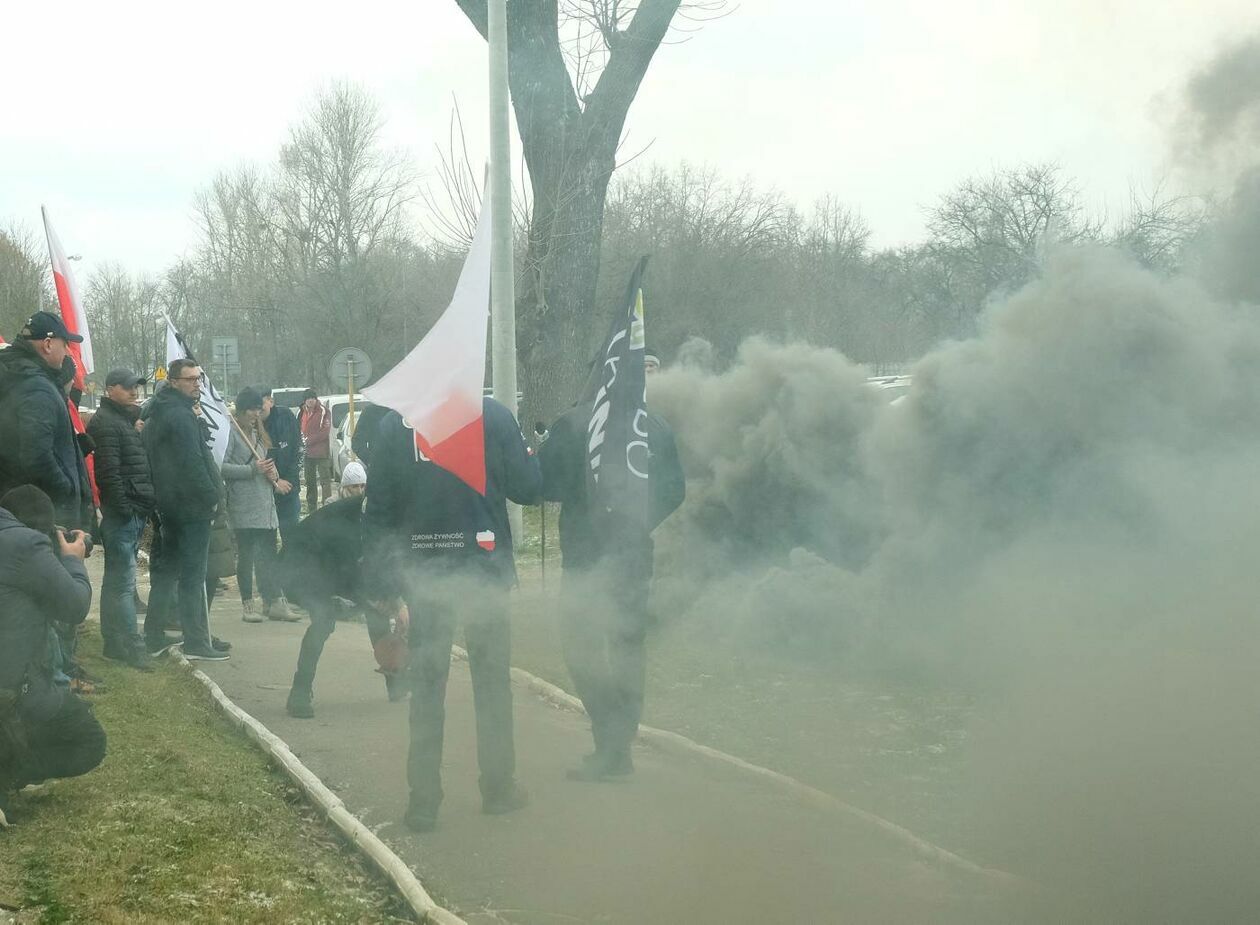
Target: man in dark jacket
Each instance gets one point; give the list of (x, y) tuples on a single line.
[(37, 440), (604, 595), (286, 452), (321, 562), (122, 475), (365, 430), (45, 732), (188, 489), (450, 550)]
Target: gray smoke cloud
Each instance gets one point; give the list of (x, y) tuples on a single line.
[(1062, 516), (1221, 118)]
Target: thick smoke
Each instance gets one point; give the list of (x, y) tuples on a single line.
[(1220, 126), (1063, 516)]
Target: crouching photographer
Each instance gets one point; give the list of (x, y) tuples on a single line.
[(45, 730)]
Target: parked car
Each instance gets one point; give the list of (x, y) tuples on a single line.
[(288, 397), (339, 407), (341, 438)]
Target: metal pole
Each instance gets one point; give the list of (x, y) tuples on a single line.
[(350, 391), (502, 295)]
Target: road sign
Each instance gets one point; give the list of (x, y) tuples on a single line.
[(350, 367)]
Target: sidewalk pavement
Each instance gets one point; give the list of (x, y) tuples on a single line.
[(683, 840)]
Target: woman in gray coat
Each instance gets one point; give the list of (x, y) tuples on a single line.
[(251, 509)]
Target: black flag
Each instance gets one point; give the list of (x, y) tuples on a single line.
[(617, 443)]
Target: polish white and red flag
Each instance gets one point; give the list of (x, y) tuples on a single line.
[(72, 314), (438, 387)]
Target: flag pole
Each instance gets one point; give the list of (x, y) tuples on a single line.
[(502, 294)]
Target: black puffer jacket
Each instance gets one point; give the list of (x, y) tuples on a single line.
[(36, 587), (186, 480), (37, 441), (122, 466)]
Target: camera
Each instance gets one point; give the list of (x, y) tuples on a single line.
[(87, 538)]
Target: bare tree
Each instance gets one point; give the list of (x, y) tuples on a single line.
[(24, 278), (570, 125)]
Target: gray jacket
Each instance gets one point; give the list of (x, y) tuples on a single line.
[(251, 500), (37, 586)]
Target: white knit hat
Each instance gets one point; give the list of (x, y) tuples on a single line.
[(353, 474)]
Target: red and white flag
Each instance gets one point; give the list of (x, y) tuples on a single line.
[(72, 314), (438, 387)]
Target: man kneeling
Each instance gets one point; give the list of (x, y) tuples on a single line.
[(45, 731), (319, 566)]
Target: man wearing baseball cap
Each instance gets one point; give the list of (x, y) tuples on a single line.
[(37, 441), (127, 500)]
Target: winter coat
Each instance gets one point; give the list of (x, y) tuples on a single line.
[(562, 458), (38, 445), (222, 559), (251, 500), (366, 428), (321, 554), (186, 479), (420, 514), (122, 466), (286, 444), (316, 426), (37, 586)]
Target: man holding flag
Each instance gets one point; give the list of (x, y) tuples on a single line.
[(614, 467), (436, 532), (37, 438)]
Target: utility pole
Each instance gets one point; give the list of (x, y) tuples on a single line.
[(502, 286)]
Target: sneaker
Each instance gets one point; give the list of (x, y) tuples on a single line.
[(299, 704), (514, 798), (114, 650), (205, 654), (156, 647), (220, 645), (279, 610), (249, 611)]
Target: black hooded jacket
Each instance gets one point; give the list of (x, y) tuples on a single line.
[(37, 440), (122, 466), (321, 554), (562, 457), (421, 514), (186, 480)]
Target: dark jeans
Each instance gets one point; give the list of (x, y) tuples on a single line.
[(323, 623), (178, 579), (68, 743), (489, 642), (317, 470), (118, 587), (603, 634), (289, 510), (256, 551)]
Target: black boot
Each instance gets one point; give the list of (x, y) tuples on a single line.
[(299, 703)]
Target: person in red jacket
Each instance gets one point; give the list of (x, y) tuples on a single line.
[(316, 424)]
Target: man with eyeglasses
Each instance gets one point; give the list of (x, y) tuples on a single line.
[(188, 489), (38, 445)]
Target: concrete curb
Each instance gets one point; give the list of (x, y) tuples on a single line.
[(359, 835), (677, 744)]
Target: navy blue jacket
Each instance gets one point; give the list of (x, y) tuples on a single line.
[(419, 514), (286, 444), (38, 445)]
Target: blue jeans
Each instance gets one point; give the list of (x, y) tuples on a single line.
[(182, 572), (289, 511), (118, 587)]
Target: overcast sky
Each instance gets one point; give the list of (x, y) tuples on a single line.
[(116, 113)]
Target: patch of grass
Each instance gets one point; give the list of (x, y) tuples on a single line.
[(184, 821)]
